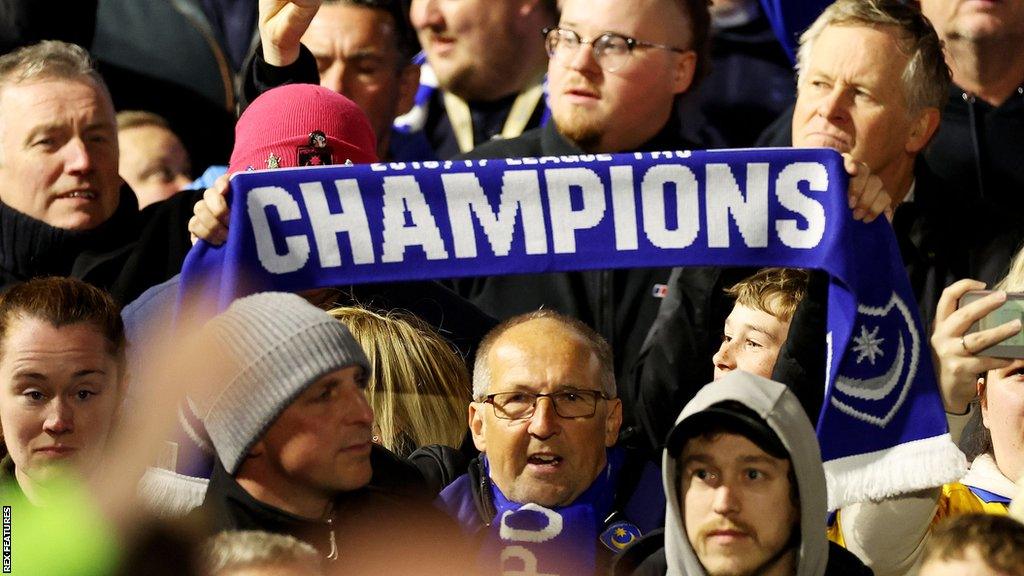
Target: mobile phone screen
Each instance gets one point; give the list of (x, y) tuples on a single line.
[(1008, 312), (1012, 309)]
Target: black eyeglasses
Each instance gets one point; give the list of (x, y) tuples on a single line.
[(567, 403), (611, 51)]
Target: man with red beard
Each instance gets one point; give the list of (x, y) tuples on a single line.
[(615, 72)]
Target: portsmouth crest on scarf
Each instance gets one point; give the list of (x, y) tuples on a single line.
[(882, 428)]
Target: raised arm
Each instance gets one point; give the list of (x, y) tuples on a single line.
[(282, 24)]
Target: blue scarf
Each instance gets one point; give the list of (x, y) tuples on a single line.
[(882, 428), (532, 539)]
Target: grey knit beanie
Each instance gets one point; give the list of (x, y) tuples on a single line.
[(277, 345)]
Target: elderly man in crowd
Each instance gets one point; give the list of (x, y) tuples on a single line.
[(551, 490), (887, 120), (871, 82)]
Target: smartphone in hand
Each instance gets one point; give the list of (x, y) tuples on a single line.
[(1012, 309)]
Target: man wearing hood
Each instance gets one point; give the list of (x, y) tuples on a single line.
[(745, 490)]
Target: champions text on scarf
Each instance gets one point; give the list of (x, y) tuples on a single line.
[(882, 428)]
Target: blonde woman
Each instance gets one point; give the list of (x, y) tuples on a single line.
[(419, 387)]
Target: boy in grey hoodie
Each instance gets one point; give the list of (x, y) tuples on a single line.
[(745, 490)]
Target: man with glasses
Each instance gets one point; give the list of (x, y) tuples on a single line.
[(615, 71), (550, 493)]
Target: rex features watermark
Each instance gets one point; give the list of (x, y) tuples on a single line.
[(7, 540)]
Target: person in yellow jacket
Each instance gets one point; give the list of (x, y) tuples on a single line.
[(890, 535)]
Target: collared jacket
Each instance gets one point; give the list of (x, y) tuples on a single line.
[(125, 255), (976, 154), (429, 117)]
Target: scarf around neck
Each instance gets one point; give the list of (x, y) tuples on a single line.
[(562, 540)]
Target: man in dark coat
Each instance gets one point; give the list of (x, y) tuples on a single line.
[(865, 106), (63, 209), (287, 417), (976, 153)]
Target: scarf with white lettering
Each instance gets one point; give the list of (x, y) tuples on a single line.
[(882, 428)]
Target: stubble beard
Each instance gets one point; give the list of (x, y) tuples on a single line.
[(788, 551), (583, 131), (483, 79)]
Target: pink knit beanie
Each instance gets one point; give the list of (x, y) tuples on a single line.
[(301, 125)]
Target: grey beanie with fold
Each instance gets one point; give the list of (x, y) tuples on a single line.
[(278, 344)]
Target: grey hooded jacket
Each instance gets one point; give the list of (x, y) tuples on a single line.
[(782, 412)]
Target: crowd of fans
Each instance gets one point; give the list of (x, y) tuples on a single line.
[(626, 421)]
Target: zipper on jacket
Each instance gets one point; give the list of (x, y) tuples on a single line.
[(972, 119), (485, 491), (333, 554), (606, 307)]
